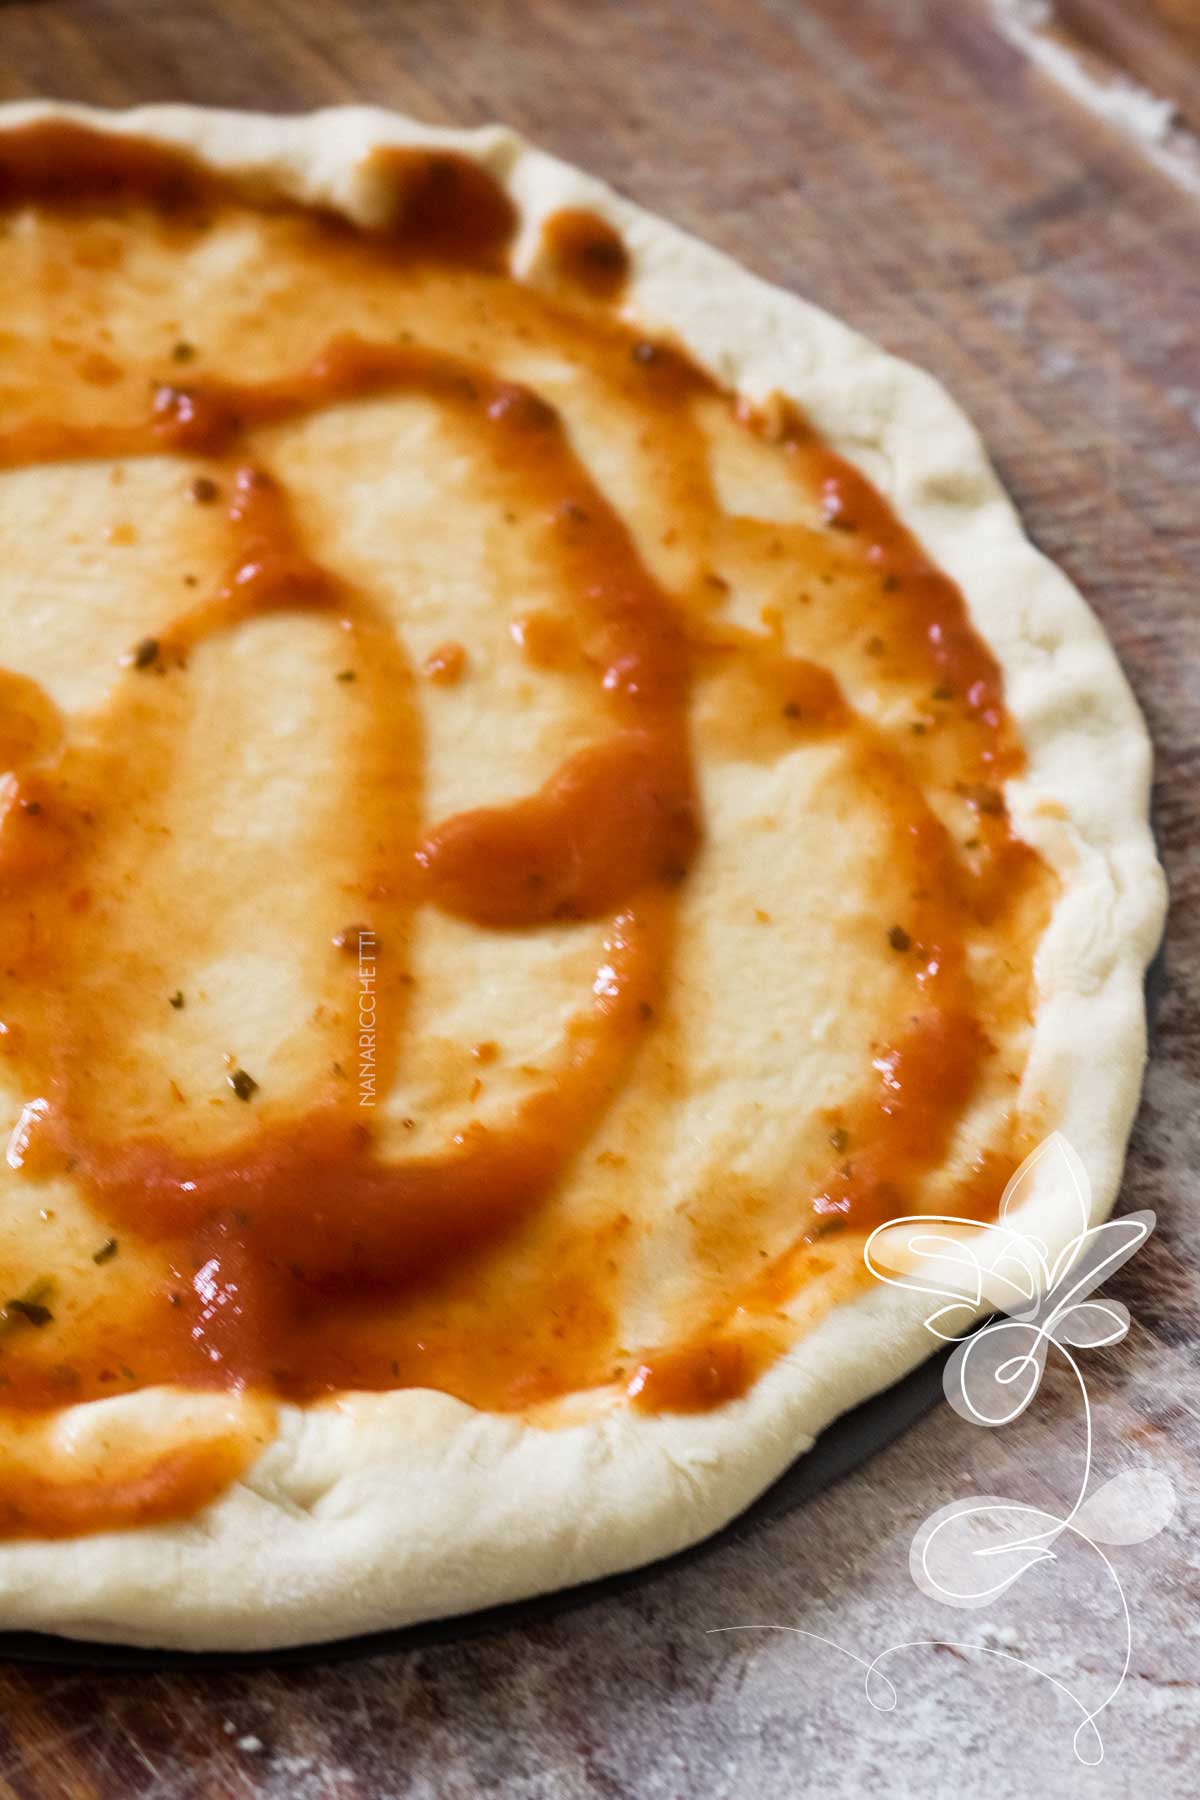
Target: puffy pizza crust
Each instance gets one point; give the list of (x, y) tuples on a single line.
[(382, 1510)]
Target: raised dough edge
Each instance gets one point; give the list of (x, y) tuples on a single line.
[(388, 1509)]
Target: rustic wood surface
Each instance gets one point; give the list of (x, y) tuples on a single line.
[(900, 162)]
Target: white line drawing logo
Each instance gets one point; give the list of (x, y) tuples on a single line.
[(974, 1549)]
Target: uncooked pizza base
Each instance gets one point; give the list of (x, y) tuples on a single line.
[(384, 1509)]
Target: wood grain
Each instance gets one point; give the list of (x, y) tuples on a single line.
[(1157, 44), (900, 163)]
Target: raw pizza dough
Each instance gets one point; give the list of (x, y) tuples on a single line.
[(376, 1509)]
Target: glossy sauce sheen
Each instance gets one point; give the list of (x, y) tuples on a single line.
[(302, 1260)]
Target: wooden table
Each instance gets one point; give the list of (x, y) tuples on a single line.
[(907, 165)]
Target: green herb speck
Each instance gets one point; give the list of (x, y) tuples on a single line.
[(32, 1310)]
